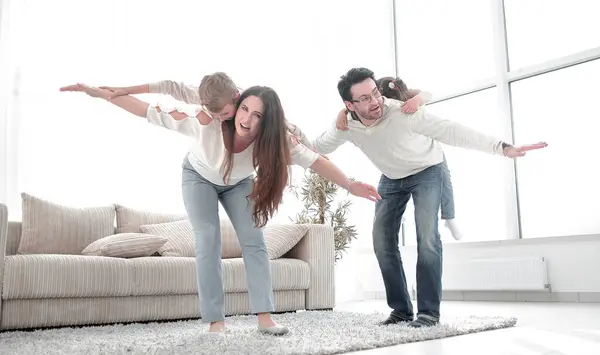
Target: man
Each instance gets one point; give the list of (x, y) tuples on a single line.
[(406, 148)]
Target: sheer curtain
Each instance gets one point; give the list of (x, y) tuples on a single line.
[(79, 151), (7, 90)]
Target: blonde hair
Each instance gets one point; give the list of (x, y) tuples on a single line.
[(217, 90)]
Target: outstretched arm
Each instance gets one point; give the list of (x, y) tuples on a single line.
[(331, 172), (306, 158), (186, 121), (329, 140), (178, 90), (458, 135)]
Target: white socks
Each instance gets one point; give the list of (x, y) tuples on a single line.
[(451, 225), (454, 229)]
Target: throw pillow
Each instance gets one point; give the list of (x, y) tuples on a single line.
[(129, 220), (179, 235), (182, 242), (126, 245), (50, 228), (281, 238)]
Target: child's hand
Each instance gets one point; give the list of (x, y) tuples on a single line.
[(342, 120), (411, 105)]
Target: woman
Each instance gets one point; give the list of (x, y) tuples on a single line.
[(220, 167), (395, 88)]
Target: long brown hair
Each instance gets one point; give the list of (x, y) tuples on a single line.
[(399, 91), (271, 155)]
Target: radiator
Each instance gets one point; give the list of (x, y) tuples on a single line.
[(496, 274)]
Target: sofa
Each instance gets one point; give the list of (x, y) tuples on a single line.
[(69, 266)]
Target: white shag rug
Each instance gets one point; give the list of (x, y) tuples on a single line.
[(332, 332)]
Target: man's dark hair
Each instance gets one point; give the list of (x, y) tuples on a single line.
[(353, 76)]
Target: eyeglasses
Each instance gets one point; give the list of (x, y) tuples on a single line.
[(365, 99)]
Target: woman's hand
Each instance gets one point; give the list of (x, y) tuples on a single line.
[(363, 190), (341, 122), (90, 90)]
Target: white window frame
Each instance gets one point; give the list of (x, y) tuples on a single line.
[(502, 80)]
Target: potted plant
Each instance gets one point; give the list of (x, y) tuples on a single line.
[(318, 196)]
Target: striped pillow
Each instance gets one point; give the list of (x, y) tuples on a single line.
[(181, 240), (126, 245), (129, 220), (51, 228), (281, 238)]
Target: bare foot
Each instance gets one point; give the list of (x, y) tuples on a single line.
[(90, 90), (217, 327)]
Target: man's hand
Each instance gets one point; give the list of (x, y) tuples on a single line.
[(412, 105), (516, 152), (116, 91), (361, 189), (342, 121)]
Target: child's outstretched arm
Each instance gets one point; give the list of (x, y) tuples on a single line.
[(177, 90)]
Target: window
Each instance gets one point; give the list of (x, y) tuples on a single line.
[(479, 180), (539, 30), (444, 46), (558, 187), (81, 151)]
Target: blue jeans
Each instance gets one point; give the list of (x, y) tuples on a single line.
[(426, 190), (201, 199), (447, 208)]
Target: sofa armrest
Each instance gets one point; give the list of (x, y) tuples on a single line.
[(318, 250), (3, 239)]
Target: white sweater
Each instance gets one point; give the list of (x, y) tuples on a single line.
[(189, 94), (401, 145), (208, 152)]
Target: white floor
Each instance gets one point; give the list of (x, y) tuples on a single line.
[(542, 329)]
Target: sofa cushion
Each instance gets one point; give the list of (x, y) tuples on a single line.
[(126, 245), (281, 238), (177, 275), (182, 242), (57, 276), (49, 228), (129, 220)]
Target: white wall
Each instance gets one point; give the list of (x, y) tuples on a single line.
[(572, 261)]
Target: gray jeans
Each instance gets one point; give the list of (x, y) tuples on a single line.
[(201, 199)]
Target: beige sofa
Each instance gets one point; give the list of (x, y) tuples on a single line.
[(46, 288)]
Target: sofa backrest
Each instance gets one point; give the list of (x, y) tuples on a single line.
[(13, 238)]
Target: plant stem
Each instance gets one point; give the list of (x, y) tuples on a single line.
[(322, 201)]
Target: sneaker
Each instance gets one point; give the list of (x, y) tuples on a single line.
[(394, 319), (424, 320), (274, 330)]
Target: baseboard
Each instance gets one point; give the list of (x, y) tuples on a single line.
[(502, 296)]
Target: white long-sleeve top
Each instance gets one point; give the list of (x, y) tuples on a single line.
[(208, 152), (189, 94), (400, 144)]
